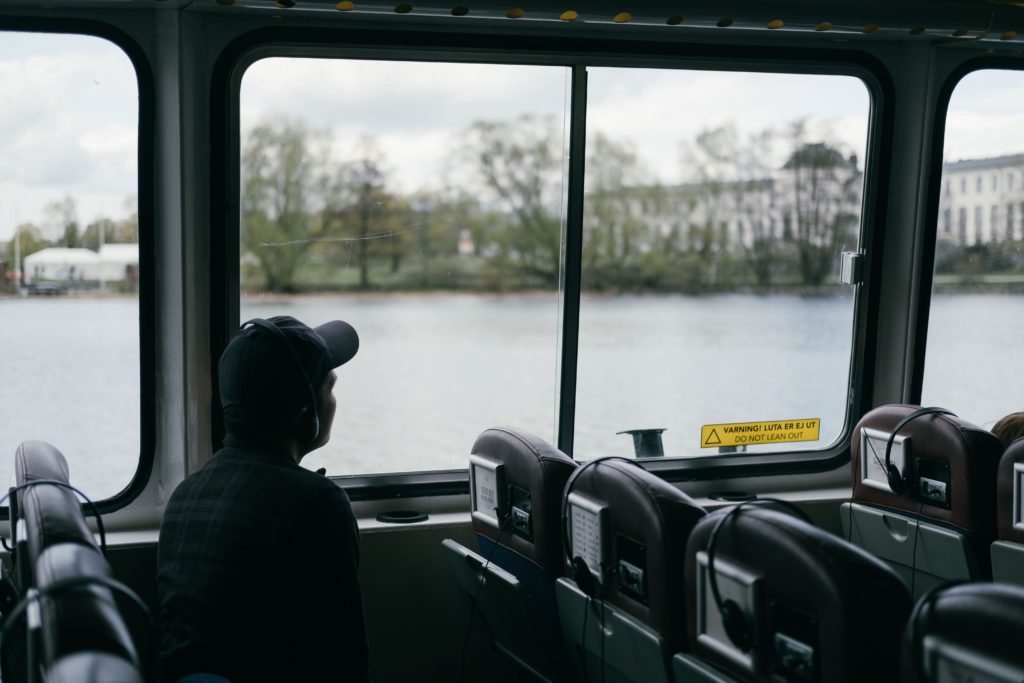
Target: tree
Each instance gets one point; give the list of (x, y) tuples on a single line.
[(91, 234), (520, 166), (30, 240), (61, 222), (362, 215), (617, 230), (823, 191), (278, 186)]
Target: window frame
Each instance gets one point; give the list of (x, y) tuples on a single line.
[(577, 54), (145, 188), (930, 231)]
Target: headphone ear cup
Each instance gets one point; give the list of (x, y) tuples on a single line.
[(583, 577), (736, 625), (895, 479), (309, 426)]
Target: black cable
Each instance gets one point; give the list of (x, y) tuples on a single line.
[(72, 583), (913, 558), (63, 484), (583, 641), (483, 572)]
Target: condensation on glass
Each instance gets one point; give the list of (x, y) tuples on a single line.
[(717, 210), (424, 203), (69, 263), (973, 363)]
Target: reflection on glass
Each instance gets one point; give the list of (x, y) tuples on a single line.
[(717, 209), (69, 261), (423, 203), (976, 319)]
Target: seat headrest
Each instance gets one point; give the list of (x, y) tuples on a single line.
[(976, 619), (52, 513), (813, 586), (648, 522), (93, 667), (942, 448), (39, 460), (536, 467), (1011, 476), (86, 619)]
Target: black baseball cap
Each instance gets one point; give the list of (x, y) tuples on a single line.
[(261, 381)]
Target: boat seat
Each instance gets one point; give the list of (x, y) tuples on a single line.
[(813, 607), (517, 481), (1008, 549), (623, 611), (93, 667), (51, 514), (966, 632), (82, 619), (939, 524)]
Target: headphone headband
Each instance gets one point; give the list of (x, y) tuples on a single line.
[(310, 430), (735, 622), (892, 473)]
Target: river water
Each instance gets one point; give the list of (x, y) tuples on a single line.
[(434, 370)]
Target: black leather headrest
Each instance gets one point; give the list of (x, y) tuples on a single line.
[(52, 513), (39, 460), (854, 605), (645, 512), (982, 619), (93, 667), (1013, 456), (970, 452), (534, 465), (80, 619)]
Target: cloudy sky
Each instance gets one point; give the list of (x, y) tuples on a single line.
[(68, 114)]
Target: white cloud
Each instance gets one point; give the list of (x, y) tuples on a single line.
[(68, 126)]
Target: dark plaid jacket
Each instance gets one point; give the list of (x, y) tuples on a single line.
[(258, 574)]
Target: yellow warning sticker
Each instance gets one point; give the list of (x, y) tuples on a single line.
[(756, 433)]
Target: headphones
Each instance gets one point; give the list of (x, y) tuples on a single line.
[(735, 621), (581, 573), (897, 484), (64, 485), (308, 428)]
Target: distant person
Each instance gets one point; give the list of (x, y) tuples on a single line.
[(1010, 428), (258, 557)]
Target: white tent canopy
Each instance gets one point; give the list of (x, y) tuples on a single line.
[(111, 264)]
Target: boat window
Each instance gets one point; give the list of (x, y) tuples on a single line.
[(973, 364), (69, 256), (717, 211), (424, 203)]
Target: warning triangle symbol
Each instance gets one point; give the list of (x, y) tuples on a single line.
[(713, 439)]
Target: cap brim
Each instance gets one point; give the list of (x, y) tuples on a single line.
[(341, 340)]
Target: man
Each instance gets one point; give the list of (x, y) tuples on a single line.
[(258, 557)]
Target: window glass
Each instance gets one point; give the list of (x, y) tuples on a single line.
[(69, 263), (423, 203), (973, 362), (718, 206)]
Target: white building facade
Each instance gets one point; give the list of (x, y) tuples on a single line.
[(982, 201)]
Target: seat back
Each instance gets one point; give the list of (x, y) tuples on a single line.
[(84, 619), (1008, 549), (516, 489), (48, 514), (966, 632), (812, 607), (941, 527), (623, 612), (71, 624)]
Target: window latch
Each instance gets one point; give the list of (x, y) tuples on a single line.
[(852, 271)]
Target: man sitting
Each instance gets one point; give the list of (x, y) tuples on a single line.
[(258, 557)]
